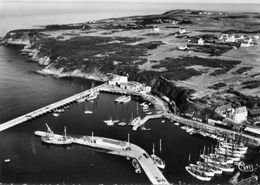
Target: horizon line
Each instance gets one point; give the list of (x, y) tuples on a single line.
[(127, 1)]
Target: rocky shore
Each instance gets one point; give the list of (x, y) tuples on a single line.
[(179, 53)]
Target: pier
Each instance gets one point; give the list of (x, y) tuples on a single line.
[(122, 148), (47, 109), (145, 119)]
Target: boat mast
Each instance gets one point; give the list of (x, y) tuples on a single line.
[(160, 145), (153, 149), (65, 133)]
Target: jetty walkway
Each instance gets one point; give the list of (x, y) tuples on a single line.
[(47, 109), (145, 119), (122, 148)]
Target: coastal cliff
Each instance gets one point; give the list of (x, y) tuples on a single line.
[(149, 49)]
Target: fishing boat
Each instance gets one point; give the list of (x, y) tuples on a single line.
[(246, 168), (189, 130), (56, 114), (163, 121), (176, 123), (144, 128), (51, 138), (119, 99), (157, 160), (7, 160), (197, 174), (224, 167), (213, 168), (233, 147), (228, 152), (222, 157), (206, 171), (86, 111), (122, 123), (148, 113), (126, 99), (109, 122), (212, 159), (136, 166)]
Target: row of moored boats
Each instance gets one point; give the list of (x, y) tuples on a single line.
[(215, 163)]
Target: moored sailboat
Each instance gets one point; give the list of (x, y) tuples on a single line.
[(157, 160)]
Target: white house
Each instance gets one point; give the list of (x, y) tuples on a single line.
[(225, 110), (240, 114), (156, 29), (135, 86), (117, 80), (181, 31), (231, 39), (201, 41)]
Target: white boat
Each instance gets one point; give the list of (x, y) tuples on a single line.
[(144, 128), (233, 150), (222, 157), (157, 160), (183, 127), (109, 122), (86, 111), (228, 153), (122, 123), (189, 130), (136, 166), (163, 121), (206, 171), (51, 138), (208, 158), (7, 160), (206, 165), (224, 167), (148, 113), (176, 123), (233, 146), (197, 174), (120, 98), (126, 99), (55, 114)]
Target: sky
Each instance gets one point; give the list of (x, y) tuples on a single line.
[(150, 1)]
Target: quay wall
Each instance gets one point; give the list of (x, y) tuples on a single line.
[(230, 134)]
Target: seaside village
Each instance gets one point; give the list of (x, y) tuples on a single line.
[(234, 127), (223, 158)]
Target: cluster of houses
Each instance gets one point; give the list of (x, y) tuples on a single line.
[(245, 41), (238, 117), (123, 83)]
